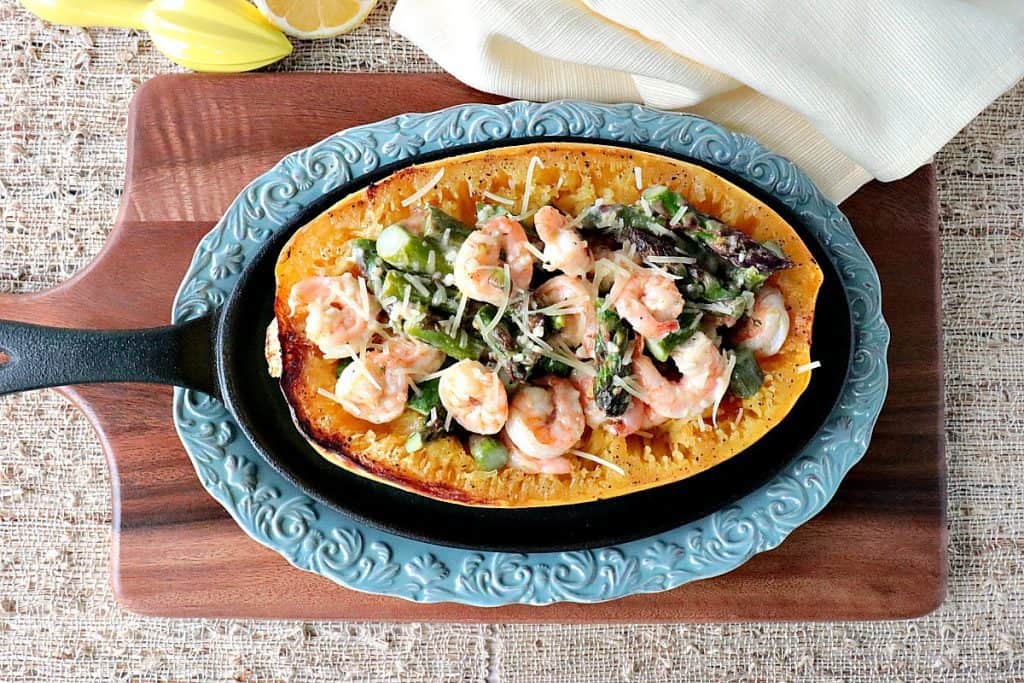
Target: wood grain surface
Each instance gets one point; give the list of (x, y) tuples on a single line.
[(877, 552)]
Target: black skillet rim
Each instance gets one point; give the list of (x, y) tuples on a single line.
[(565, 527)]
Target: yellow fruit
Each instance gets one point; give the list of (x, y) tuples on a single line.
[(315, 18)]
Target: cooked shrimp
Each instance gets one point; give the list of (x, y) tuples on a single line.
[(340, 312), (564, 249), (546, 420), (411, 356), (367, 391), (584, 383), (569, 298), (474, 396), (651, 419), (376, 388), (648, 300), (480, 261), (521, 461), (637, 417), (765, 328), (705, 377)]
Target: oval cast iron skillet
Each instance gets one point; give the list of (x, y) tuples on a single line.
[(221, 354)]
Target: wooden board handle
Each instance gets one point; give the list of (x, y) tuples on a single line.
[(129, 284)]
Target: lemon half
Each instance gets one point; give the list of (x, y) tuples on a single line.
[(315, 18)]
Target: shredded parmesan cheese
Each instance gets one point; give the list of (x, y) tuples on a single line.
[(629, 250), (433, 375), (415, 282), (807, 367), (638, 174), (671, 260), (537, 253), (507, 294), (419, 194), (523, 322), (571, 306), (661, 271), (719, 307), (457, 320), (563, 356), (630, 386), (534, 162), (678, 215), (600, 461), (365, 371), (328, 394), (498, 198), (406, 299), (364, 298)]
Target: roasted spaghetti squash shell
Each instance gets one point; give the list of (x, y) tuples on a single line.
[(570, 176)]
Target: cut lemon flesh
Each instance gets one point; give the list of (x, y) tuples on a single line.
[(315, 18)]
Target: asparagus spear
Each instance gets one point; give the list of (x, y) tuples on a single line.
[(747, 278), (405, 251), (431, 428), (689, 322), (612, 339), (736, 247), (390, 286), (611, 225), (699, 284), (365, 253), (438, 296), (488, 453), (460, 345), (550, 366), (747, 376), (439, 224), (516, 361)]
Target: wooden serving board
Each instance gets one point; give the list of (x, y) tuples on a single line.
[(877, 552)]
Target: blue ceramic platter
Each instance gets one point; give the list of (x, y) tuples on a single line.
[(319, 539)]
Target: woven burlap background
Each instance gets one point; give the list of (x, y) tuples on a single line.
[(63, 99)]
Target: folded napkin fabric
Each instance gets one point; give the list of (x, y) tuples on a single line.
[(848, 90)]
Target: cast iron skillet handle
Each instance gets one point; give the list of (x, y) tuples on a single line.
[(33, 356)]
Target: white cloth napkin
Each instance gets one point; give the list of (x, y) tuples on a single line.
[(849, 90)]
